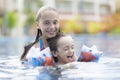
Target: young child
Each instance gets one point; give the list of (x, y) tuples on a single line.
[(62, 48)]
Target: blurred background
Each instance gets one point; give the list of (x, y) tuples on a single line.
[(92, 22), (17, 17)]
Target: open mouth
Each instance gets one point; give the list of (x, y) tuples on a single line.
[(51, 32), (70, 58)]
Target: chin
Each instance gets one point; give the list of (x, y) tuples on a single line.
[(50, 36)]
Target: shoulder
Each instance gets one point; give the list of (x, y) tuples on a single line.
[(32, 52)]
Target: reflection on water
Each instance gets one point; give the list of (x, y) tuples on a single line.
[(93, 71), (108, 67), (11, 69)]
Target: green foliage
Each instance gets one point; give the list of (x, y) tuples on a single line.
[(30, 7), (74, 26), (116, 30), (30, 19), (1, 21), (12, 18), (93, 27), (39, 3)]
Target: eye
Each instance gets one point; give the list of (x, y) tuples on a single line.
[(55, 22), (72, 47), (46, 22), (66, 48)]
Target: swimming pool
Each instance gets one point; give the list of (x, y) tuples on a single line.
[(108, 67)]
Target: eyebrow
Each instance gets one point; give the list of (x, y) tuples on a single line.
[(55, 20), (50, 20)]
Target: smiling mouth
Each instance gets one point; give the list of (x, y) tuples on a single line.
[(51, 32), (70, 58)]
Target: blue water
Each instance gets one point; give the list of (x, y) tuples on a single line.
[(108, 68)]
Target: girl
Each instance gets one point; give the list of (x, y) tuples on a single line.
[(62, 48), (47, 21)]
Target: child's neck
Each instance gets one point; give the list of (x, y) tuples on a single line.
[(45, 43)]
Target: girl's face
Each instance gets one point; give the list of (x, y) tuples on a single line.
[(65, 50), (49, 23)]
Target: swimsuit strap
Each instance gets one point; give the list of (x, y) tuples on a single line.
[(41, 44)]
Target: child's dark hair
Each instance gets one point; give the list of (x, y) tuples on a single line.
[(52, 42)]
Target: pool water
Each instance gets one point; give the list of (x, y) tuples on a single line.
[(108, 68)]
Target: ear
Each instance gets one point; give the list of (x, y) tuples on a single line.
[(37, 25), (55, 53)]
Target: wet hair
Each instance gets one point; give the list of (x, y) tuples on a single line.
[(52, 42), (41, 10), (27, 47), (39, 32)]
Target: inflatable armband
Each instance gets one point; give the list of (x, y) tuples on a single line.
[(42, 58), (89, 54)]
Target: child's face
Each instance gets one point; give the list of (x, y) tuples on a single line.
[(65, 50), (49, 23)]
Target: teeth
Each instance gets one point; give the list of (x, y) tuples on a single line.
[(69, 56), (51, 32)]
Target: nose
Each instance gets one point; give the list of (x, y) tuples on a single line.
[(71, 51), (52, 27)]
